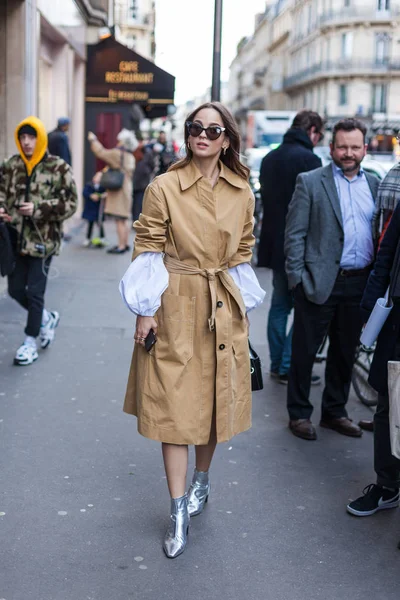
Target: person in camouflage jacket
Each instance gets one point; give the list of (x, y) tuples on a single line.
[(37, 193)]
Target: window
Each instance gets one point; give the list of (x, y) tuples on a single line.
[(383, 4), (382, 41), (133, 9), (379, 95), (347, 45), (342, 94)]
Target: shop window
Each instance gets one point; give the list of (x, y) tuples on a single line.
[(343, 94)]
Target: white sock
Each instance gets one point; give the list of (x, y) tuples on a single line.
[(45, 316), (30, 341)]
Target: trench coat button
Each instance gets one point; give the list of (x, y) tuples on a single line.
[(220, 304), (337, 262), (341, 239), (222, 347)]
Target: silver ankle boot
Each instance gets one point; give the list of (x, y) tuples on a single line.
[(176, 536), (198, 492)]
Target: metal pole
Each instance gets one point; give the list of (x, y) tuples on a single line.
[(216, 72)]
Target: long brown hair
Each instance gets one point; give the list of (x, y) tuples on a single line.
[(232, 157)]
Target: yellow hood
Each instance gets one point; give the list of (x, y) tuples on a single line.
[(41, 144)]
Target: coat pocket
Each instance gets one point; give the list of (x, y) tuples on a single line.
[(175, 329)]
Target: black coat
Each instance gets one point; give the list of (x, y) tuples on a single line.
[(278, 174), (59, 145), (387, 347), (143, 171)]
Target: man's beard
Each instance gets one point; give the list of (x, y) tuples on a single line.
[(347, 168)]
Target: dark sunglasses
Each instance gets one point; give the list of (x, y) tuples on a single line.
[(213, 132)]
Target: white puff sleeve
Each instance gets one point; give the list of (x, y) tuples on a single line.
[(246, 280), (143, 284)]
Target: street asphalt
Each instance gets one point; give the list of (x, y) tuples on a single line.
[(83, 498)]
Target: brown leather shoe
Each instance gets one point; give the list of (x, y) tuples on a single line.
[(303, 428), (366, 425), (343, 425)]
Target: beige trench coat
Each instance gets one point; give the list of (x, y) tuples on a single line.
[(173, 390), (118, 202)]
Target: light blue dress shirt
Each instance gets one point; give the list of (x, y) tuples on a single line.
[(357, 206)]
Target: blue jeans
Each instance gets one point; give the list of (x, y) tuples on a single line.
[(280, 343)]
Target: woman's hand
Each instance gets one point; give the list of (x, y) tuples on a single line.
[(143, 326), (91, 136)]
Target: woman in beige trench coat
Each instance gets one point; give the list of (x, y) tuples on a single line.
[(118, 202), (191, 282)]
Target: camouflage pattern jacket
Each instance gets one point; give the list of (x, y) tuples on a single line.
[(52, 190)]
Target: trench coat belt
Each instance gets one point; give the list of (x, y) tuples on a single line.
[(174, 265)]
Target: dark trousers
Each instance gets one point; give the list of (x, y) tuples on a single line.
[(280, 342), (340, 317), (137, 204), (90, 230), (27, 285), (387, 467)]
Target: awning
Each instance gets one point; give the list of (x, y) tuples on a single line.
[(116, 74), (390, 127)]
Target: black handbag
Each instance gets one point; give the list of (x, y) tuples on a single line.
[(7, 255), (113, 179), (255, 370)]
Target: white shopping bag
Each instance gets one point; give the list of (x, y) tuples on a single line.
[(394, 406)]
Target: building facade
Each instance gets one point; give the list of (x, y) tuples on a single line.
[(344, 57), (135, 26), (339, 57), (42, 66)]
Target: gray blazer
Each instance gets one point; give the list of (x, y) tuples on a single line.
[(314, 235)]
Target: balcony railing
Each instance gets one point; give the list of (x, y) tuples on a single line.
[(353, 14), (347, 16), (341, 68)]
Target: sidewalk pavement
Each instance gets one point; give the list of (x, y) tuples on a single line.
[(83, 498)]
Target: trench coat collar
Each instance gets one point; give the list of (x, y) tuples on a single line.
[(190, 174)]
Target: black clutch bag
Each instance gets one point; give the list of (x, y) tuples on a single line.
[(255, 370)]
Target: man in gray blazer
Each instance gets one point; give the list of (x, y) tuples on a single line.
[(329, 248)]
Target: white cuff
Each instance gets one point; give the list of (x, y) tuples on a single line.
[(247, 282), (143, 284)]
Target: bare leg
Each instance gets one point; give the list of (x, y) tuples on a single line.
[(176, 464), (122, 233), (204, 454)]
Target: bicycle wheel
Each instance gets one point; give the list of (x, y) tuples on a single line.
[(365, 393)]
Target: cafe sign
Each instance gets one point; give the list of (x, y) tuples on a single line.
[(117, 74)]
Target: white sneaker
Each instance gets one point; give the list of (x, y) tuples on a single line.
[(87, 243), (47, 331), (26, 355)]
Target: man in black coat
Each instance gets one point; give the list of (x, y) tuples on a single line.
[(385, 493), (58, 142), (278, 174)]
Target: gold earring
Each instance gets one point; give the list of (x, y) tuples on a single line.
[(188, 145), (225, 149)]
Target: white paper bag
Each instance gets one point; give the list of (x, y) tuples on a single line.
[(376, 320), (394, 406)]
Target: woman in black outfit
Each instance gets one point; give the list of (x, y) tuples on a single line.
[(385, 493)]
